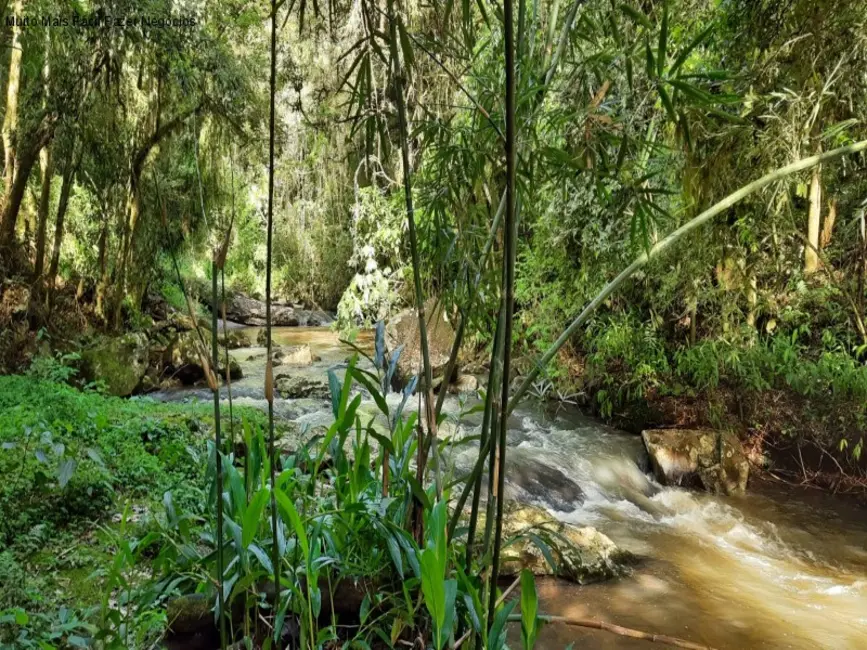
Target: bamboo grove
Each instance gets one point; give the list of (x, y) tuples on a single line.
[(427, 504), (446, 139)]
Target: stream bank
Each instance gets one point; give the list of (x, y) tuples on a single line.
[(774, 569)]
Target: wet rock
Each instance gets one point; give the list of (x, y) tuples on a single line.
[(580, 554), (403, 329), (544, 483), (243, 309), (296, 386), (185, 361), (712, 460), (297, 355), (234, 339), (120, 362), (189, 614), (464, 384)]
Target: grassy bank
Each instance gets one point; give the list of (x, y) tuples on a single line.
[(82, 473), (798, 401)]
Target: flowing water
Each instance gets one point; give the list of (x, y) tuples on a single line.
[(773, 569)]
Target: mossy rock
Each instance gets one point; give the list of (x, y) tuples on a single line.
[(535, 540), (712, 460), (120, 362)]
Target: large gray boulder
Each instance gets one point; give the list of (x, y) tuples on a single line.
[(712, 460), (249, 311), (119, 361), (403, 330)]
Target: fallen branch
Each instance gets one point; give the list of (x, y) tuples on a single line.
[(619, 630)]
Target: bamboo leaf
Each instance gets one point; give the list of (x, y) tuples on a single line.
[(663, 40), (666, 102), (686, 51), (650, 63), (636, 16), (693, 92), (405, 47)]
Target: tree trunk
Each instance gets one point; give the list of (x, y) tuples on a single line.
[(101, 269), (47, 165), (65, 189), (10, 120), (811, 259), (24, 165), (752, 298), (828, 224), (134, 205)]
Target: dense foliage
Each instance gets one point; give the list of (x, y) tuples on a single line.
[(510, 169)]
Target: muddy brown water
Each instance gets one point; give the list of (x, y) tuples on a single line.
[(777, 568)]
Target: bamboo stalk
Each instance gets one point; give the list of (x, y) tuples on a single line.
[(269, 373), (430, 417), (668, 241), (474, 481), (509, 292), (228, 368), (619, 630), (215, 389), (218, 445)]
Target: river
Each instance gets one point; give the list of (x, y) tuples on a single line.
[(778, 568)]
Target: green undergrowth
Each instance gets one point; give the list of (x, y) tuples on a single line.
[(73, 461), (629, 366)]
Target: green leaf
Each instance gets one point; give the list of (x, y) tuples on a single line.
[(383, 441), (405, 46), (94, 455), (685, 52), (497, 634), (288, 511), (66, 471), (381, 404), (251, 518), (418, 492), (663, 40), (666, 102), (334, 388), (394, 551), (650, 62), (636, 16), (529, 610), (379, 345), (347, 384), (451, 592)]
